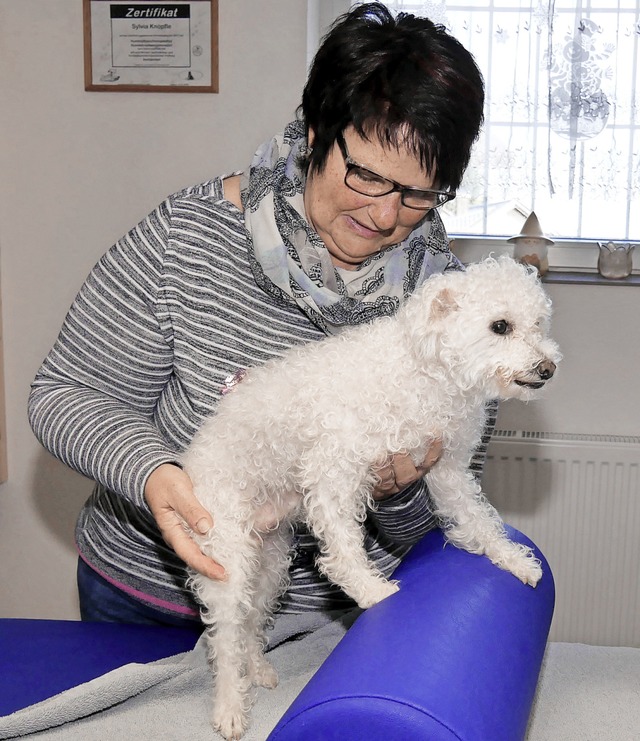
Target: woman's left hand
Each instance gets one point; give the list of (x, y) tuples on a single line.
[(399, 471)]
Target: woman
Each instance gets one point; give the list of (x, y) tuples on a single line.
[(334, 223)]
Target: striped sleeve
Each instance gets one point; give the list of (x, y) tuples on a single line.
[(480, 454), (405, 517), (92, 401)]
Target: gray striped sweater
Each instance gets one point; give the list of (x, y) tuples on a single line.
[(166, 315)]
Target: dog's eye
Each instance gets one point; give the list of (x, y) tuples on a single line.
[(502, 326)]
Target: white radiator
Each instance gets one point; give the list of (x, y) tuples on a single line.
[(578, 498)]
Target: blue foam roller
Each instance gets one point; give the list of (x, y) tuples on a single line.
[(453, 656)]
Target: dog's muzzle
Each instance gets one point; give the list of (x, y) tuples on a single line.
[(544, 370)]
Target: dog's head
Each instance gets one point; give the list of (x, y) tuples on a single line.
[(489, 327)]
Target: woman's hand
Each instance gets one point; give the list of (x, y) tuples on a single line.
[(169, 494), (399, 471)]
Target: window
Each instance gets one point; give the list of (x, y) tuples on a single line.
[(562, 128)]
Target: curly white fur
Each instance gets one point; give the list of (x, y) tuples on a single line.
[(297, 439)]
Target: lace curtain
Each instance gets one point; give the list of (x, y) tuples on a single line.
[(562, 130)]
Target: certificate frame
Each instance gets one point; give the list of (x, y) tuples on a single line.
[(164, 46)]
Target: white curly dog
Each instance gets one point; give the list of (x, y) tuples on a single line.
[(298, 439)]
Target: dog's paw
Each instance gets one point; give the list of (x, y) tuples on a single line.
[(379, 591), (531, 573), (262, 674), (230, 723), (518, 559), (526, 567), (231, 706)]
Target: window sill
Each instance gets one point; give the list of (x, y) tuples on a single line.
[(570, 261), (582, 277)]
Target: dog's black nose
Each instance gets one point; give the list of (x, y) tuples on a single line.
[(546, 369)]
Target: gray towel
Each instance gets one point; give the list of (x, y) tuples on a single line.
[(171, 698)]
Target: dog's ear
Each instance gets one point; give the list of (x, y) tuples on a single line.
[(443, 304)]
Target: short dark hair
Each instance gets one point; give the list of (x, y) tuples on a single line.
[(395, 77)]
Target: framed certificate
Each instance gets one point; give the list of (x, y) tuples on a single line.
[(163, 47)]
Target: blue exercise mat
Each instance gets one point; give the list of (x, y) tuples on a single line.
[(41, 658)]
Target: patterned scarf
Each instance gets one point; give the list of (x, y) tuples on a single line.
[(289, 260)]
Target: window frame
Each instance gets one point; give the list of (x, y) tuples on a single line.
[(571, 258)]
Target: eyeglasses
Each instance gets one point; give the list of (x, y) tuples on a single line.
[(369, 183)]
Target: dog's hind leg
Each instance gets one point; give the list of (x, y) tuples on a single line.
[(335, 508), (271, 580), (473, 524), (227, 604)]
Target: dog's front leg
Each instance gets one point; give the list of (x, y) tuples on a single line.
[(473, 524), (334, 512)]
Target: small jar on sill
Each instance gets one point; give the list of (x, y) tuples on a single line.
[(615, 261)]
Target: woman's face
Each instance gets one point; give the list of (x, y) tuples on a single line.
[(355, 226)]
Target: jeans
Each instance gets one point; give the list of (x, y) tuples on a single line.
[(102, 602)]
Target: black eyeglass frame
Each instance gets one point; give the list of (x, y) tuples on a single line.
[(351, 164)]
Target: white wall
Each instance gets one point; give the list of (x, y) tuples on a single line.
[(77, 170), (597, 388)]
